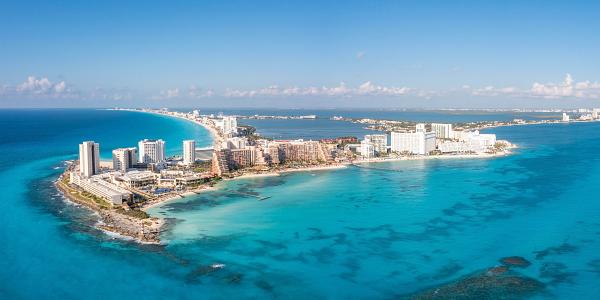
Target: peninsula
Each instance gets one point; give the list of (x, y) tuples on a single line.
[(139, 177)]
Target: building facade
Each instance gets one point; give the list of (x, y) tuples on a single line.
[(442, 131), (235, 143), (151, 151), (228, 125), (189, 152), (97, 186), (419, 142), (124, 158), (367, 149), (379, 142), (89, 159)]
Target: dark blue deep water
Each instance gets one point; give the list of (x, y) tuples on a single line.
[(376, 232)]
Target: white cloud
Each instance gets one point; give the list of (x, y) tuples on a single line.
[(494, 91), (568, 88), (34, 85), (169, 93), (39, 87), (196, 92), (60, 87), (341, 90)]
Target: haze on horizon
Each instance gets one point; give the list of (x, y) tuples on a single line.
[(300, 54)]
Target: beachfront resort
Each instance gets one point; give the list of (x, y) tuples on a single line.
[(142, 175), (139, 177)]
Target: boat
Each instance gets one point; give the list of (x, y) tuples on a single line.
[(217, 266)]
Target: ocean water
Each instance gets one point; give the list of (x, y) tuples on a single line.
[(376, 231)]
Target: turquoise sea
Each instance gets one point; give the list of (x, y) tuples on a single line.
[(380, 231)]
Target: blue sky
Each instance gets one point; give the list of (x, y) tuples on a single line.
[(300, 54)]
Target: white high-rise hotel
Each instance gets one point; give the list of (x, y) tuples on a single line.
[(379, 142), (89, 159), (419, 142), (152, 151), (124, 158), (442, 131), (227, 124), (189, 152)]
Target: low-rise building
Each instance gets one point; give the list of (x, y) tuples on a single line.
[(99, 187), (138, 179), (473, 142)]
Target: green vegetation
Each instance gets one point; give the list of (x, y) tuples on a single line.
[(500, 146), (202, 167), (95, 199), (140, 214)]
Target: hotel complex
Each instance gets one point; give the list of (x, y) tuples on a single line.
[(147, 172)]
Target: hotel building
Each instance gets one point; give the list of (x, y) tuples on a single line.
[(228, 125), (89, 159), (379, 142), (189, 152), (97, 186), (367, 149), (442, 131), (152, 151), (235, 143), (124, 158), (419, 142)]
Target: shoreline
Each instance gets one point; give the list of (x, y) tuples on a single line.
[(143, 231), (147, 231), (214, 133), (343, 165)]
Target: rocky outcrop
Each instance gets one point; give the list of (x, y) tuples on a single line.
[(142, 230), (515, 261), (499, 282)]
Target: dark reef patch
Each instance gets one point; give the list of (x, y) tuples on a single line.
[(499, 284), (558, 250), (556, 272), (515, 261), (594, 266)]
